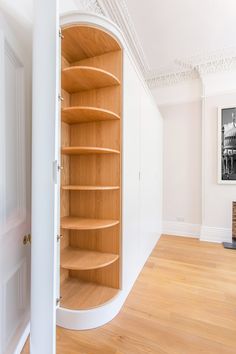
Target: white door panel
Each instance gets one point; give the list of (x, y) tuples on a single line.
[(150, 182), (14, 169), (130, 188)]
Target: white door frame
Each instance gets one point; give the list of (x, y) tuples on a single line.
[(45, 152)]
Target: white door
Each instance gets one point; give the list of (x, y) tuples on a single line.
[(14, 192), (45, 177)]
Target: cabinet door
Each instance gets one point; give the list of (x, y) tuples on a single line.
[(151, 175), (131, 170), (45, 152), (14, 192)]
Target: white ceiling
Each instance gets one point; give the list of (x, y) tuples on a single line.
[(177, 30), (166, 36)]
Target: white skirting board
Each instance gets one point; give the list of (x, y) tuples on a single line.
[(215, 234), (204, 233), (181, 229)]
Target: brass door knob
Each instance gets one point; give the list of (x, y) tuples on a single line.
[(26, 239)]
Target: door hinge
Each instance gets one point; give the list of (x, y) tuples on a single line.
[(59, 237), (58, 300), (60, 33), (60, 98)]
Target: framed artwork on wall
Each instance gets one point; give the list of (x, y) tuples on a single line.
[(227, 145)]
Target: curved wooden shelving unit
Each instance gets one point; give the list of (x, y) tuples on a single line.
[(76, 223), (83, 78), (80, 295), (82, 114), (91, 178), (89, 188), (77, 259), (82, 150)]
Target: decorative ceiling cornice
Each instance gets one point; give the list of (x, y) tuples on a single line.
[(169, 79), (89, 6), (187, 69), (118, 12)]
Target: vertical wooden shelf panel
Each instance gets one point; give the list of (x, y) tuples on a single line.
[(91, 146)]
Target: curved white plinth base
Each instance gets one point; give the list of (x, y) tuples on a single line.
[(88, 319)]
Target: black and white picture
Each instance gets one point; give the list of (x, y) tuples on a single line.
[(227, 145)]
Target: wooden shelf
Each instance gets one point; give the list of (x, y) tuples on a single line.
[(82, 150), (80, 295), (82, 114), (77, 259), (82, 78), (89, 188), (81, 42), (76, 223)]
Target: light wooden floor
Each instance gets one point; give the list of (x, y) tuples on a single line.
[(184, 302)]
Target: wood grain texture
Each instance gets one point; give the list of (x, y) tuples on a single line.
[(78, 223), (82, 78), (182, 303), (95, 169), (77, 259), (102, 240), (104, 98), (101, 134), (106, 276), (80, 295), (110, 62), (75, 115), (82, 42)]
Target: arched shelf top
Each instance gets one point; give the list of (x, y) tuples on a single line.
[(77, 259), (82, 114), (83, 78), (81, 42)]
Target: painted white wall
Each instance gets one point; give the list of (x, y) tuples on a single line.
[(216, 198), (182, 168), (195, 206), (182, 92)]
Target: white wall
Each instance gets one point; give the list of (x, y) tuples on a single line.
[(186, 91), (193, 202), (217, 198), (182, 168)]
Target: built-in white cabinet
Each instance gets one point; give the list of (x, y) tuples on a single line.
[(97, 179)]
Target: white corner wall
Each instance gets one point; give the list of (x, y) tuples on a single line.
[(219, 90), (194, 204), (182, 168)]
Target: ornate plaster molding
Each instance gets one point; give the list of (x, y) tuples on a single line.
[(169, 79), (187, 68), (117, 11), (193, 68), (89, 6)]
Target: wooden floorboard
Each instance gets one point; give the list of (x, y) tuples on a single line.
[(184, 302)]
